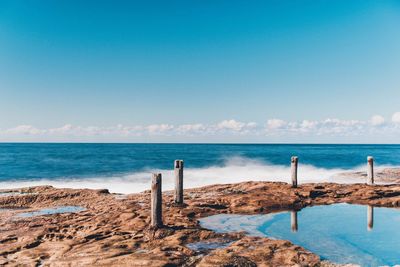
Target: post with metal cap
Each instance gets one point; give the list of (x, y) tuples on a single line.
[(370, 217), (293, 221), (294, 164), (370, 171), (156, 201), (178, 168)]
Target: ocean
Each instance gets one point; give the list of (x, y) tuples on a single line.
[(127, 168)]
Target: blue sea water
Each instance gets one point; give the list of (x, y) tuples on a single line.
[(113, 165), (340, 233)]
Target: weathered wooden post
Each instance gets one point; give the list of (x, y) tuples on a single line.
[(370, 217), (293, 221), (178, 168), (156, 201), (294, 164), (370, 171)]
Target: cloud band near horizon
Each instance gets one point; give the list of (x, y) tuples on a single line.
[(275, 129)]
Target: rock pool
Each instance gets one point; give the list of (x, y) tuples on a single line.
[(341, 233), (208, 245), (49, 211)]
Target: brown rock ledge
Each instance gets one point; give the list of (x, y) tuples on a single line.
[(382, 175), (113, 230)]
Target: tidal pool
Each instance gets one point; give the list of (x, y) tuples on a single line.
[(208, 245), (13, 193), (340, 233), (49, 211)]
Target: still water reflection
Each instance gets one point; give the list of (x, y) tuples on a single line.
[(50, 211), (341, 233)]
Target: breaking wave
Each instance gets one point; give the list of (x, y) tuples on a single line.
[(233, 170)]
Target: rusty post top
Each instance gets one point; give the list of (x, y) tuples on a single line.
[(370, 159), (295, 159), (178, 163), (156, 178)]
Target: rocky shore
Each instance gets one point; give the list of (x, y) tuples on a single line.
[(383, 175), (113, 230)]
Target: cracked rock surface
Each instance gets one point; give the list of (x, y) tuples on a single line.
[(113, 230)]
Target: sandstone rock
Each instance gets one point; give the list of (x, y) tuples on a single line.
[(114, 231)]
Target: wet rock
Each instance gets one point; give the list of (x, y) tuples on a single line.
[(383, 175), (316, 193), (115, 232), (103, 191)]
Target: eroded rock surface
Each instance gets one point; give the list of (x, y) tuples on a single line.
[(113, 230), (383, 175)]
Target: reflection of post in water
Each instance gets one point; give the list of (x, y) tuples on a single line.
[(370, 215), (293, 221)]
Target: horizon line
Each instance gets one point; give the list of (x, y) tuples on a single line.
[(195, 143)]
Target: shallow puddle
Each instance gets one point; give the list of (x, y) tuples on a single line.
[(49, 211), (203, 246), (341, 233), (11, 208), (7, 194), (120, 196)]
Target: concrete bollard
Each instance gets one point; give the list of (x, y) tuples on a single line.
[(156, 201), (178, 168), (370, 171), (370, 218), (294, 164), (293, 221)]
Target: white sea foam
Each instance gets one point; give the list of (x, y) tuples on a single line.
[(236, 169)]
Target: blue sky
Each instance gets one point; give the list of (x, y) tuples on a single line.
[(87, 69)]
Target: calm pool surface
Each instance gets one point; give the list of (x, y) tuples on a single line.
[(341, 233), (49, 211)]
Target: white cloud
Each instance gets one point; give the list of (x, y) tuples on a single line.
[(191, 128), (308, 125), (377, 120), (276, 124), (274, 128), (251, 125), (231, 125), (396, 117), (128, 130), (64, 129), (159, 128), (25, 130)]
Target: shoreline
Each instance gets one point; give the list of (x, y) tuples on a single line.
[(124, 184), (115, 231)]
